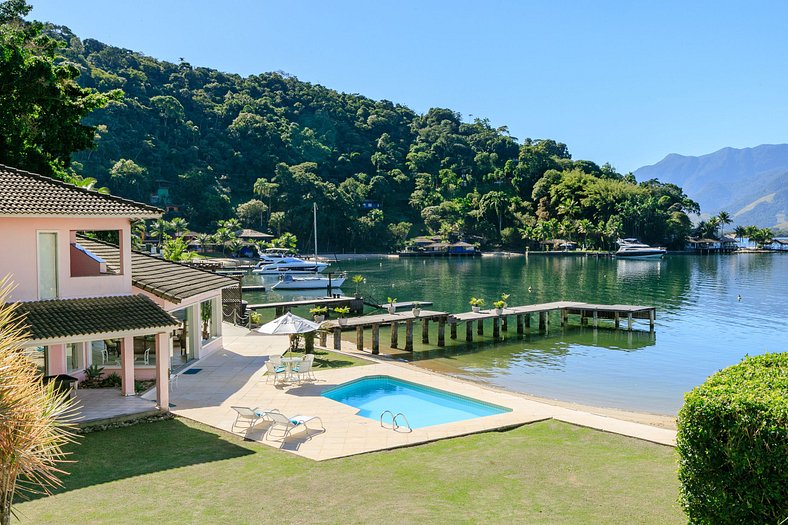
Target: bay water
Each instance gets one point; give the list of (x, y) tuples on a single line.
[(711, 312)]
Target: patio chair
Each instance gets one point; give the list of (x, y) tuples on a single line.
[(249, 416), (304, 369), (274, 369), (284, 424), (145, 358)]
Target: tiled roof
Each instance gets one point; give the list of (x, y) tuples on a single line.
[(25, 193), (171, 281), (252, 234), (62, 318)]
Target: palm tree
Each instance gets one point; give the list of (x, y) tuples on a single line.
[(222, 236), (494, 200), (231, 225), (740, 232), (160, 229), (724, 218), (36, 418), (179, 226), (137, 234), (264, 188), (204, 239)]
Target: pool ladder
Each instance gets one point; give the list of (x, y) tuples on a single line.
[(394, 425)]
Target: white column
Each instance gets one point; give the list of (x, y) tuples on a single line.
[(163, 371)]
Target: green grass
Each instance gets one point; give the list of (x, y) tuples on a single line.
[(327, 359), (178, 471)]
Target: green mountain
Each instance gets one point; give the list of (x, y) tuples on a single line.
[(201, 141)]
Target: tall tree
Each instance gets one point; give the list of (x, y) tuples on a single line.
[(41, 104)]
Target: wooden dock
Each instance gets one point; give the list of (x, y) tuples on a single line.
[(522, 315), (408, 304), (355, 305), (253, 288)]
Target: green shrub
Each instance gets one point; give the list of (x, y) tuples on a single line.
[(733, 444)]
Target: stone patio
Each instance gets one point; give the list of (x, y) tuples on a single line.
[(234, 376), (100, 404)]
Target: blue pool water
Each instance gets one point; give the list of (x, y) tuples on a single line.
[(423, 406)]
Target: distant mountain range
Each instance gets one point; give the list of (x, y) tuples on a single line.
[(751, 183)]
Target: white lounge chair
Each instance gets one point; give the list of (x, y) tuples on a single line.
[(274, 369), (304, 369), (280, 422), (247, 416)]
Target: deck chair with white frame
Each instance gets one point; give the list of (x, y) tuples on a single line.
[(248, 416), (285, 425), (274, 369), (304, 368)]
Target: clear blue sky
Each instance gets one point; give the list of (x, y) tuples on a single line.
[(624, 82)]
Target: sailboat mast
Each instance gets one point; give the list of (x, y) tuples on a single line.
[(314, 217)]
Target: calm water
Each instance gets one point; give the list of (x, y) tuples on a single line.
[(701, 327)]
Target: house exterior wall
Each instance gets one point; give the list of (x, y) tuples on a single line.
[(19, 236)]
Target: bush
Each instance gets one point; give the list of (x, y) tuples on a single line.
[(733, 444)]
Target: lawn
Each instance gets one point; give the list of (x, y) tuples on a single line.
[(328, 359), (178, 471)]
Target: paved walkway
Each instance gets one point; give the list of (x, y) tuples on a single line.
[(234, 376)]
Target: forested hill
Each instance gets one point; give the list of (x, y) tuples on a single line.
[(377, 170)]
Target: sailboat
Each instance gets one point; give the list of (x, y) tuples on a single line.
[(291, 282)]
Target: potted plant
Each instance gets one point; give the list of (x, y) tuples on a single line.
[(416, 308), (255, 319), (476, 304), (342, 311), (392, 303), (319, 313), (357, 280), (501, 304)]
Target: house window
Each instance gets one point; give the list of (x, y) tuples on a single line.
[(38, 356), (47, 265), (75, 356)]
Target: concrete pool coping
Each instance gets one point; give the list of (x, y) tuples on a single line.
[(234, 376)]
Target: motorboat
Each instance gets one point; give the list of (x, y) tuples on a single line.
[(314, 282), (289, 265), (633, 249)]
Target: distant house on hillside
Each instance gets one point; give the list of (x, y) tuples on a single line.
[(433, 246)]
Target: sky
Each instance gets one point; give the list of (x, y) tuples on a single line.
[(624, 82)]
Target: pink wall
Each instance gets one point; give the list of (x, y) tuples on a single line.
[(82, 265), (18, 236)]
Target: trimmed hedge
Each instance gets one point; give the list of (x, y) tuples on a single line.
[(733, 445)]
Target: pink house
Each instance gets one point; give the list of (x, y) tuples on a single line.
[(88, 298)]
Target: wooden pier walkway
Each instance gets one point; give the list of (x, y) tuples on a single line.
[(355, 305), (500, 320), (253, 288)]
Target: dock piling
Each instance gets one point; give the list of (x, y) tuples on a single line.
[(496, 327), (441, 331), (409, 335), (375, 338), (505, 323), (453, 330), (519, 319), (394, 334), (480, 327), (425, 331), (337, 338), (469, 331), (359, 338)]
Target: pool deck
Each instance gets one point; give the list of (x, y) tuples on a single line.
[(234, 376)]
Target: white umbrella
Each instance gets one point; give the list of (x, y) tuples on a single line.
[(288, 324)]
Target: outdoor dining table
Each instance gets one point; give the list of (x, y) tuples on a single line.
[(288, 362)]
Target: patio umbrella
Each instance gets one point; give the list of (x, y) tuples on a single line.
[(291, 325), (288, 324)]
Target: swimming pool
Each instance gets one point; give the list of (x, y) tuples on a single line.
[(423, 406)]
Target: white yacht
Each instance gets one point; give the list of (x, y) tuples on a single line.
[(314, 282), (288, 265), (633, 249)]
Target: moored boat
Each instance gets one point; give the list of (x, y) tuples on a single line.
[(314, 282), (633, 249)]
